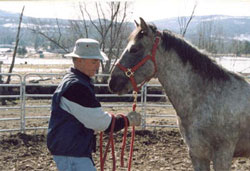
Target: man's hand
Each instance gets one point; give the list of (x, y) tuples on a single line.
[(134, 118)]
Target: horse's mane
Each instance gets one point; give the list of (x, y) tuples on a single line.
[(201, 62)]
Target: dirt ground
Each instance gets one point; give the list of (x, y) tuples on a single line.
[(153, 150)]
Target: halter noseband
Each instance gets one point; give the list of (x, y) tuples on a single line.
[(129, 72)]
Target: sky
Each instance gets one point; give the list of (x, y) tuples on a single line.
[(148, 9)]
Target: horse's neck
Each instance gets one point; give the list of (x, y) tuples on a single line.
[(179, 81)]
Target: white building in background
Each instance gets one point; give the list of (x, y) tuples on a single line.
[(6, 48)]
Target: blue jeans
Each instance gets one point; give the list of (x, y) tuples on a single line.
[(67, 163)]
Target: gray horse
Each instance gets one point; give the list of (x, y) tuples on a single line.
[(212, 103)]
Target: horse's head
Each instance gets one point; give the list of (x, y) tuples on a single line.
[(137, 62)]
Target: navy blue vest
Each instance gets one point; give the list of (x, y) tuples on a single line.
[(66, 135)]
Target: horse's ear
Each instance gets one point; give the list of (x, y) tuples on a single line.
[(143, 24), (136, 23)]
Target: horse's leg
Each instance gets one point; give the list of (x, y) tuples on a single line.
[(200, 164), (223, 156)]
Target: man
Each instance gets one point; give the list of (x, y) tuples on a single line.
[(76, 114)]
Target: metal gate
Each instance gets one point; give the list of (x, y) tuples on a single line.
[(11, 113), (30, 88)]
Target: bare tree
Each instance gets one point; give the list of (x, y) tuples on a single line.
[(184, 21), (210, 36), (4, 90), (111, 26), (16, 46), (205, 32), (52, 33)]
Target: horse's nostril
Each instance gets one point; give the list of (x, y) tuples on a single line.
[(116, 84), (112, 83)]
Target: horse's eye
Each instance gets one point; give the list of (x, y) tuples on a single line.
[(141, 33)]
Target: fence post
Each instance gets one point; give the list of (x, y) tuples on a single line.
[(22, 93), (1, 81), (144, 103)]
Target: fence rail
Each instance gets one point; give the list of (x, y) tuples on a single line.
[(22, 117)]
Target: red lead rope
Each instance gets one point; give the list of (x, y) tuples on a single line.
[(111, 141), (132, 141)]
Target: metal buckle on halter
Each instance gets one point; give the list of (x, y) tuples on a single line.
[(129, 72), (135, 96)]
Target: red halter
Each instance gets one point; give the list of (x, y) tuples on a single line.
[(129, 72)]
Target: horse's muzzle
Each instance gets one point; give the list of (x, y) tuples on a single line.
[(117, 85)]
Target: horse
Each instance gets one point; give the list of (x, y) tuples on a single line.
[(212, 104)]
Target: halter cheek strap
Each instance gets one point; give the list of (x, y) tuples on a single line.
[(129, 72)]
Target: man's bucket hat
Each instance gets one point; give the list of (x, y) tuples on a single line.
[(87, 49)]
